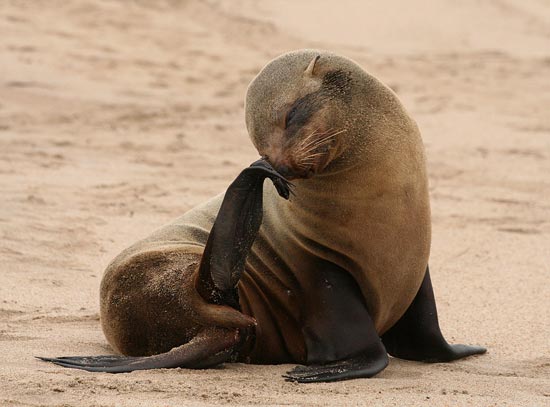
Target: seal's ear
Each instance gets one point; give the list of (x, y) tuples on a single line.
[(311, 66)]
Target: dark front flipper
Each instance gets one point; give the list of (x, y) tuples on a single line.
[(234, 231), (365, 365), (417, 336), (340, 337), (209, 348)]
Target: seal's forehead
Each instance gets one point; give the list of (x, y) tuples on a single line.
[(274, 80), (286, 70), (279, 83)]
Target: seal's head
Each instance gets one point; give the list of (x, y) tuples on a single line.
[(297, 112)]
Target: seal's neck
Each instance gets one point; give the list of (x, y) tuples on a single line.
[(357, 180)]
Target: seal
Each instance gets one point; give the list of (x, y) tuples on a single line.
[(333, 279)]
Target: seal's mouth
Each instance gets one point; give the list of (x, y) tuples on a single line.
[(292, 170), (300, 169), (288, 171), (304, 158)]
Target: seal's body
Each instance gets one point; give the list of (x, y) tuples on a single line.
[(334, 278), (365, 214)]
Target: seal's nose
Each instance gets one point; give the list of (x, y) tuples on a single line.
[(284, 170), (281, 164)]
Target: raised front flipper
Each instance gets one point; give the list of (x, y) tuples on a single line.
[(221, 326), (234, 231)]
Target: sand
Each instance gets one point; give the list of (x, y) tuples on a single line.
[(116, 117)]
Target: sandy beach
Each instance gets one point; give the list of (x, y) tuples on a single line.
[(118, 116)]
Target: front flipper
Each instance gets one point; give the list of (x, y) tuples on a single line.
[(365, 365), (417, 336), (340, 338), (234, 232), (209, 348)]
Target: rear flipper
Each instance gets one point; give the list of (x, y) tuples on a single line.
[(209, 348), (221, 267), (417, 336)]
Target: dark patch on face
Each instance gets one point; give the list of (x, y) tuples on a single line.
[(336, 85), (302, 110)]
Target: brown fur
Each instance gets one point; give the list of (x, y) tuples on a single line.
[(365, 210)]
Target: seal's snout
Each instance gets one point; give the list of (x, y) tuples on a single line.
[(284, 167), (284, 170)]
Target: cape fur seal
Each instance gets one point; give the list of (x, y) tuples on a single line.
[(334, 279)]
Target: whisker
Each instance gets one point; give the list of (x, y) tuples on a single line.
[(316, 146), (339, 132), (307, 140), (308, 150), (314, 133), (328, 138), (318, 141), (303, 145), (310, 158)]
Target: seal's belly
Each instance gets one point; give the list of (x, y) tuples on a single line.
[(283, 298), (387, 260), (269, 292)]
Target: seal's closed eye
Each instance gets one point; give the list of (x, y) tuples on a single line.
[(290, 115)]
